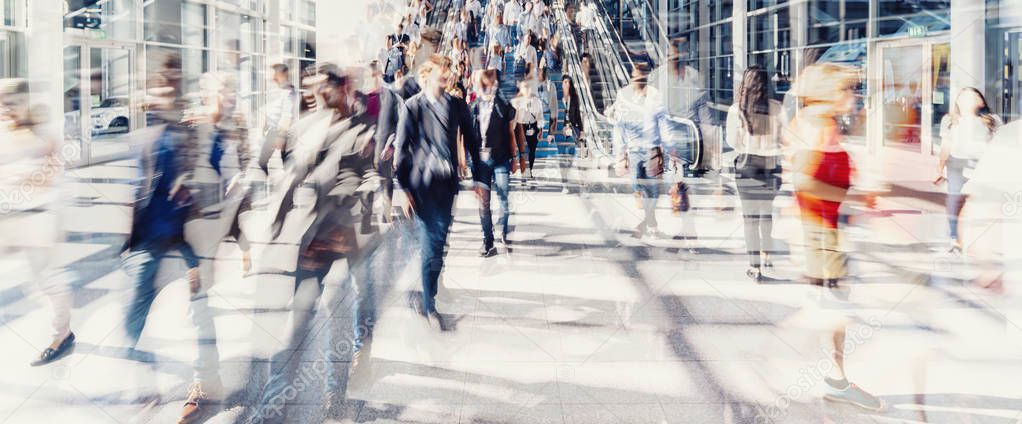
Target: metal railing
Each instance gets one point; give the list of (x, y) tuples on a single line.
[(652, 29), (596, 126)]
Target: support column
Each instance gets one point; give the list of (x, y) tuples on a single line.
[(798, 11), (968, 45), (274, 50), (739, 41), (44, 42)]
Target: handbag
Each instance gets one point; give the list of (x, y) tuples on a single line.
[(679, 198)]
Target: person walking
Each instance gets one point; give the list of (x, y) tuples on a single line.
[(965, 134), (529, 116), (551, 106), (822, 176), (639, 128), (572, 128), (281, 112), (31, 207), (427, 169), (494, 158), (338, 163), (162, 205), (754, 125)]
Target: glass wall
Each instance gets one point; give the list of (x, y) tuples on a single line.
[(228, 37), (769, 40), (12, 39), (896, 18)]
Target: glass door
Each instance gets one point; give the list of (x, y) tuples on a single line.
[(913, 94), (99, 91), (1013, 76), (901, 96), (110, 102)]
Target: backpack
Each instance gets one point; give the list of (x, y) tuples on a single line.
[(395, 62)]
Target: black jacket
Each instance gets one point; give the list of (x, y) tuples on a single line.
[(497, 136), (422, 137), (390, 110), (574, 112)]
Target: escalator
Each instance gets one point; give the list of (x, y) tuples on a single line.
[(642, 39)]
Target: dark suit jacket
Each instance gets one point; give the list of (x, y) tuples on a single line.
[(574, 115), (390, 110), (152, 206), (419, 132), (497, 135)]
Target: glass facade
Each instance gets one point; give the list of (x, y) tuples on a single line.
[(12, 39), (109, 43), (901, 47)]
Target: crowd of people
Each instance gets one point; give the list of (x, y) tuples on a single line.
[(393, 140)]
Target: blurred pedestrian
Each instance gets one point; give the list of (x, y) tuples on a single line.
[(754, 125), (427, 169)]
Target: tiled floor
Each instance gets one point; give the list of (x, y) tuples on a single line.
[(576, 323)]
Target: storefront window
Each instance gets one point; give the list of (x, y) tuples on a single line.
[(898, 18), (759, 4), (307, 12), (111, 19), (12, 51), (10, 13), (719, 9), (195, 25)]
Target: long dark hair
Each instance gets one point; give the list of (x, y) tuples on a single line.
[(754, 101), (984, 113)]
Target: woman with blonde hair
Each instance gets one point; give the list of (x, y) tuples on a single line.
[(822, 177)]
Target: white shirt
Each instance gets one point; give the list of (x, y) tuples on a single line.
[(485, 111), (768, 144), (512, 11), (683, 89), (461, 30), (640, 120), (528, 53), (969, 138), (530, 109)]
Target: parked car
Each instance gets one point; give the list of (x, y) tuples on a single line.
[(111, 115)]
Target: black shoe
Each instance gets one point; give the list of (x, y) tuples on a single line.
[(755, 273), (49, 355), (505, 240), (488, 251), (440, 320)]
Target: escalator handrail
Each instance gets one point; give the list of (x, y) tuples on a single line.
[(615, 38), (698, 151), (594, 119), (653, 20)]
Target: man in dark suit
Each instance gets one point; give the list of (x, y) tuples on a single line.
[(404, 87), (494, 157), (427, 167)]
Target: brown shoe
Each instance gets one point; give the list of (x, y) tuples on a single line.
[(193, 405)]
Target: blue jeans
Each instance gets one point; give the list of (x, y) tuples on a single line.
[(648, 187), (142, 265), (492, 175), (435, 212), (955, 199)]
